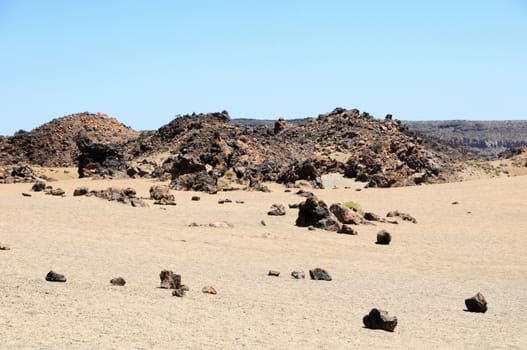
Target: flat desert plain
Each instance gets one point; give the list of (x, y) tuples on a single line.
[(422, 277)]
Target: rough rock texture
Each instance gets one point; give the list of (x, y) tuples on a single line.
[(319, 274), (80, 191), (477, 303), (379, 319), (20, 173), (384, 237), (276, 210), (346, 215), (158, 192), (52, 276), (53, 144), (315, 212), (347, 230), (39, 186), (298, 274), (209, 290), (98, 158), (125, 196), (169, 280)]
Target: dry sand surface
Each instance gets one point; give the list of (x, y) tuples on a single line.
[(423, 277)]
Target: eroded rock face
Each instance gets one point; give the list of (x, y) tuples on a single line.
[(314, 212), (99, 159), (379, 319), (169, 280), (477, 303), (276, 210)]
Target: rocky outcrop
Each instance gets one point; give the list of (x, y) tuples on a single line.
[(99, 159)]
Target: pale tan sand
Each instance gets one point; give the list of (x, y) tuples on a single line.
[(423, 277)]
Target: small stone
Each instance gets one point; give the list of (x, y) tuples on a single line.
[(455, 202), (118, 281), (477, 303), (298, 274), (26, 194), (347, 230), (371, 216), (379, 319), (319, 274), (240, 202), (138, 203), (195, 198), (273, 273), (81, 191), (384, 237), (52, 276), (263, 223), (4, 247), (209, 290)]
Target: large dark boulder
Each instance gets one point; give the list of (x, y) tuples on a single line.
[(315, 212), (477, 303)]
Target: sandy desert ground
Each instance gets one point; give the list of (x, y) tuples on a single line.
[(423, 277)]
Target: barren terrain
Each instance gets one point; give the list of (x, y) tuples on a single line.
[(422, 277)]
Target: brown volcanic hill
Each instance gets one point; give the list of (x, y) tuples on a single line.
[(53, 143), (381, 152)]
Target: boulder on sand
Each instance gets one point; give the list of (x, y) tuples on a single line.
[(476, 304), (379, 319), (319, 274), (314, 212), (52, 276)]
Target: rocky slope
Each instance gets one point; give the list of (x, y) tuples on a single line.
[(53, 143)]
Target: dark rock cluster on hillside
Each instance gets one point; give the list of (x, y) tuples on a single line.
[(208, 152)]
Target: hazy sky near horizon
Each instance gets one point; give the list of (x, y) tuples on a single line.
[(143, 62)]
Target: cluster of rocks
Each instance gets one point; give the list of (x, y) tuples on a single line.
[(315, 213), (20, 173), (126, 196)]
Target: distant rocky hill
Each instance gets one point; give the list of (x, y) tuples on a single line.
[(487, 138), (208, 151), (53, 143)]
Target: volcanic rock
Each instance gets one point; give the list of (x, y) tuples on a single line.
[(80, 191), (379, 319), (99, 159), (169, 280), (39, 186), (118, 281), (55, 277), (273, 273), (404, 216), (319, 274), (347, 230), (315, 212), (159, 192), (346, 215), (4, 247), (384, 237), (477, 303), (276, 210), (298, 274)]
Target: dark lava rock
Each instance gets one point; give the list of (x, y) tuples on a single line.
[(298, 274), (169, 280), (277, 210), (384, 237), (195, 198), (273, 273), (118, 281), (57, 192), (372, 216), (99, 159), (404, 216), (347, 230), (80, 191), (39, 186), (26, 194), (158, 192), (319, 274), (52, 276), (477, 303), (379, 319), (314, 212), (179, 293)]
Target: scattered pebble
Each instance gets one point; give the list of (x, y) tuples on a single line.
[(209, 290), (298, 274), (273, 273), (52, 276), (384, 237), (379, 319), (118, 281)]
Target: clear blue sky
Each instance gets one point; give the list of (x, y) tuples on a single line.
[(145, 61)]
